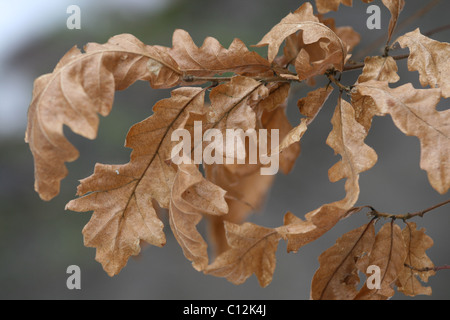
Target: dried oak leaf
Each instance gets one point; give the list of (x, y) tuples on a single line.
[(347, 34), (395, 7), (289, 151), (193, 196), (80, 86), (329, 50), (309, 107), (414, 113), (388, 253), (375, 68), (212, 59), (337, 277), (252, 250), (347, 139), (231, 110), (417, 243), (121, 195), (324, 6), (430, 58), (246, 192)]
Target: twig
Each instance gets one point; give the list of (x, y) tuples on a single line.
[(428, 268), (404, 217), (341, 87), (379, 42), (190, 78)]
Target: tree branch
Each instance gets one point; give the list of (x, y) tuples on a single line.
[(437, 268), (374, 213)]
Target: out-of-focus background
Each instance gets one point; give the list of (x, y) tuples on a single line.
[(39, 240)]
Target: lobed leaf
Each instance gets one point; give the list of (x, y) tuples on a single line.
[(120, 194), (337, 276), (417, 243), (430, 58), (80, 86), (193, 196), (414, 113), (252, 250), (388, 253)]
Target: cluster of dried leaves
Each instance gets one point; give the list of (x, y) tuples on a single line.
[(125, 198)]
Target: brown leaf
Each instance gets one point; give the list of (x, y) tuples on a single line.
[(289, 151), (313, 102), (246, 192), (308, 106), (192, 196), (337, 276), (416, 242), (278, 94), (429, 58), (395, 7), (252, 250), (347, 139), (122, 194), (82, 85), (379, 68), (231, 108), (375, 68), (324, 6), (414, 113), (388, 253), (313, 31), (299, 232), (211, 58)]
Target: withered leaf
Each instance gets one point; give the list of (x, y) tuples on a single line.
[(252, 250), (333, 52), (313, 102), (231, 108), (379, 68), (120, 194), (414, 113), (310, 107), (347, 34), (324, 6), (80, 86), (375, 68), (347, 139), (388, 254), (289, 151), (337, 276), (211, 58), (246, 191), (193, 196), (417, 243), (430, 58), (395, 7)]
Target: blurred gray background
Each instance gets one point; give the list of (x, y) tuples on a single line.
[(39, 240)]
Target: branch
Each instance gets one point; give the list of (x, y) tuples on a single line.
[(330, 76), (354, 66), (374, 213), (379, 42), (428, 268), (189, 78)]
